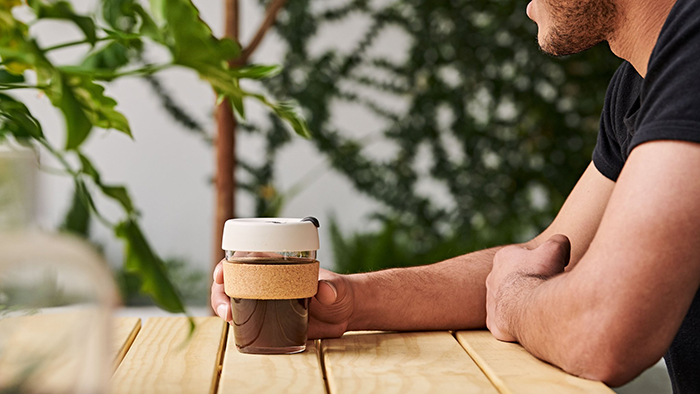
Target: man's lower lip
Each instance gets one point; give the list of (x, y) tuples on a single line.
[(528, 10)]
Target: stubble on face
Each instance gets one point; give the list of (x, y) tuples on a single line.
[(577, 25)]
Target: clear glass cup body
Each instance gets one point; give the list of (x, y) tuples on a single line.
[(56, 296), (270, 326)]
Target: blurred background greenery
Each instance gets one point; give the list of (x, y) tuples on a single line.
[(498, 129)]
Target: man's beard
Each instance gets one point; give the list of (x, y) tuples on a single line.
[(578, 25)]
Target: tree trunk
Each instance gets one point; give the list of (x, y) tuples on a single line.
[(225, 143)]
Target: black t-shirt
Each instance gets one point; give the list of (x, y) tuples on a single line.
[(663, 106)]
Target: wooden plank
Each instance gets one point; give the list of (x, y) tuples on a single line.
[(124, 330), (414, 362), (163, 360), (60, 352), (513, 370), (279, 373)]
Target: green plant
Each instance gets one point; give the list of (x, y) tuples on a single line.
[(191, 283), (114, 42), (389, 247)]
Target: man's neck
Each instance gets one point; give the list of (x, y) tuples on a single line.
[(639, 27)]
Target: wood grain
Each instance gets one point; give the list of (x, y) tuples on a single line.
[(280, 373), (124, 331), (513, 370), (163, 360), (55, 352), (415, 362)]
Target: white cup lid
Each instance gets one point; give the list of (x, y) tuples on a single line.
[(270, 235)]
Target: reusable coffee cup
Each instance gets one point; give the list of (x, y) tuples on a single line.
[(270, 273)]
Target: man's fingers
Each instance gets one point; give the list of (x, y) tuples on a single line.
[(220, 302), (320, 330), (327, 292), (219, 273), (559, 247), (331, 287)]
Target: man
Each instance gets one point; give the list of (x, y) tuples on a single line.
[(610, 286)]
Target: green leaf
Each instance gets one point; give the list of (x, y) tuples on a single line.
[(193, 44), (157, 8), (148, 28), (256, 71), (237, 102), (89, 169), (111, 57), (84, 104), (289, 111), (116, 192), (77, 220), (126, 15), (9, 4), (141, 260), (100, 108), (63, 10), (120, 194), (16, 119), (8, 77), (14, 36), (78, 124), (119, 14)]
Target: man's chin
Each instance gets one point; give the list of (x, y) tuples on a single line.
[(556, 53), (563, 47), (546, 48)]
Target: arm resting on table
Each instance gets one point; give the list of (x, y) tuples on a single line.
[(451, 294), (617, 312)]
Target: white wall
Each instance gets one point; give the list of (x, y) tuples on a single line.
[(167, 169)]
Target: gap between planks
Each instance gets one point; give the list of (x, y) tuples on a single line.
[(481, 363), (165, 358), (418, 362), (220, 358), (124, 337), (322, 365), (254, 373)]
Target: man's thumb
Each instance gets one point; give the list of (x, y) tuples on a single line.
[(327, 292), (559, 247)]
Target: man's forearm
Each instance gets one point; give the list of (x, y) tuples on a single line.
[(446, 295), (557, 322)]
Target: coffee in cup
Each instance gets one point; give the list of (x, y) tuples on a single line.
[(270, 273)]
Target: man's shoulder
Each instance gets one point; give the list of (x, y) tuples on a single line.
[(623, 91), (625, 83)]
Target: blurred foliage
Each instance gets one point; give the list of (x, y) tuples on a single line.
[(388, 247), (502, 129), (192, 284), (114, 42)]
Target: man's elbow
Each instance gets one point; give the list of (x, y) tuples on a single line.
[(612, 362), (612, 373)]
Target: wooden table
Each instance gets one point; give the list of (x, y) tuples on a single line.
[(418, 362), (155, 357)]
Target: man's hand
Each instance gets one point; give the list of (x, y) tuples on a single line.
[(332, 307), (220, 302), (329, 312), (515, 269)]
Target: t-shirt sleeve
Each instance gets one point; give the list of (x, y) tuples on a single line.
[(670, 108), (607, 154)]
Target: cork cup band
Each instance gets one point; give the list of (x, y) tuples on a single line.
[(270, 281)]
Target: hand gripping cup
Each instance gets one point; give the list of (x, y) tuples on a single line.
[(270, 273)]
